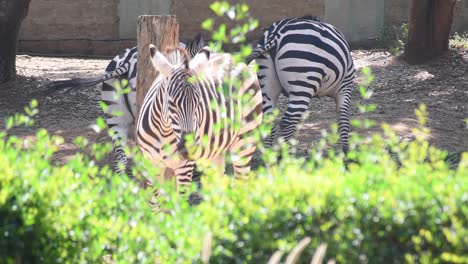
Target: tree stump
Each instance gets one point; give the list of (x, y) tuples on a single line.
[(429, 27), (161, 31)]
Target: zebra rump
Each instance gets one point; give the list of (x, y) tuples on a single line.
[(304, 58)]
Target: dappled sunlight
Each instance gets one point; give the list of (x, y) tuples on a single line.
[(422, 76), (55, 68), (405, 129), (370, 58), (65, 152)]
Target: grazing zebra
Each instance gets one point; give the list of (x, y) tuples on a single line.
[(122, 67), (304, 58), (212, 99)]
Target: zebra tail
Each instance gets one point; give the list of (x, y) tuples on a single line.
[(257, 52), (76, 83), (86, 82), (73, 84)]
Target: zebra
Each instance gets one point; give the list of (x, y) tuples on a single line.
[(304, 58), (121, 67), (210, 98)]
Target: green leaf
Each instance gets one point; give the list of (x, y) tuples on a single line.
[(10, 122), (33, 103), (208, 24), (220, 8), (220, 34), (103, 106)]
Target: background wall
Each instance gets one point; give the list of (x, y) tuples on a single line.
[(129, 10), (266, 11), (359, 20), (72, 27), (106, 27)]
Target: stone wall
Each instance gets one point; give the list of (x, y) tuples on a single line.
[(68, 19), (85, 27), (267, 11), (460, 20), (397, 12), (105, 27)]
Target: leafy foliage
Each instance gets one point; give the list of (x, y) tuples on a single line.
[(243, 24), (394, 38), (393, 202), (396, 202), (459, 41)]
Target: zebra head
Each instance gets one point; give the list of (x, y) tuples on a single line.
[(183, 90)]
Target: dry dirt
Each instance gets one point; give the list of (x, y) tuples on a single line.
[(398, 89)]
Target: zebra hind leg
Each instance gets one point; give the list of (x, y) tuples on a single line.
[(297, 106), (343, 105), (271, 91), (270, 140)]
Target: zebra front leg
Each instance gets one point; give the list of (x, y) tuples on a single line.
[(220, 164), (242, 153), (165, 175), (120, 161), (184, 175), (343, 105)]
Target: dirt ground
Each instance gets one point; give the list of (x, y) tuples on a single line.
[(398, 89)]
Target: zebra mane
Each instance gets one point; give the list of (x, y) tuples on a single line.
[(310, 17), (178, 57)]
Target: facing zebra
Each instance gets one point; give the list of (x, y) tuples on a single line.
[(121, 67), (304, 58), (210, 98)]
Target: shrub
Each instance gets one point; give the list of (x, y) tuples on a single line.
[(392, 202), (396, 202)]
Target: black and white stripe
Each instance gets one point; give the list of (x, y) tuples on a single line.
[(304, 58), (212, 99), (122, 67)]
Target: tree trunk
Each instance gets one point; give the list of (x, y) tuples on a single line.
[(12, 13), (430, 22), (161, 31)]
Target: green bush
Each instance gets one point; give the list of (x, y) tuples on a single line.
[(396, 202), (393, 202), (64, 214)]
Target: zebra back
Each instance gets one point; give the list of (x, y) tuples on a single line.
[(122, 66)]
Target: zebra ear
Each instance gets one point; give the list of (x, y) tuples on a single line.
[(199, 41), (200, 60), (160, 62)]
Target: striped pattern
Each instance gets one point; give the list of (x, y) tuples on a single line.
[(122, 67), (304, 58), (209, 98)]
